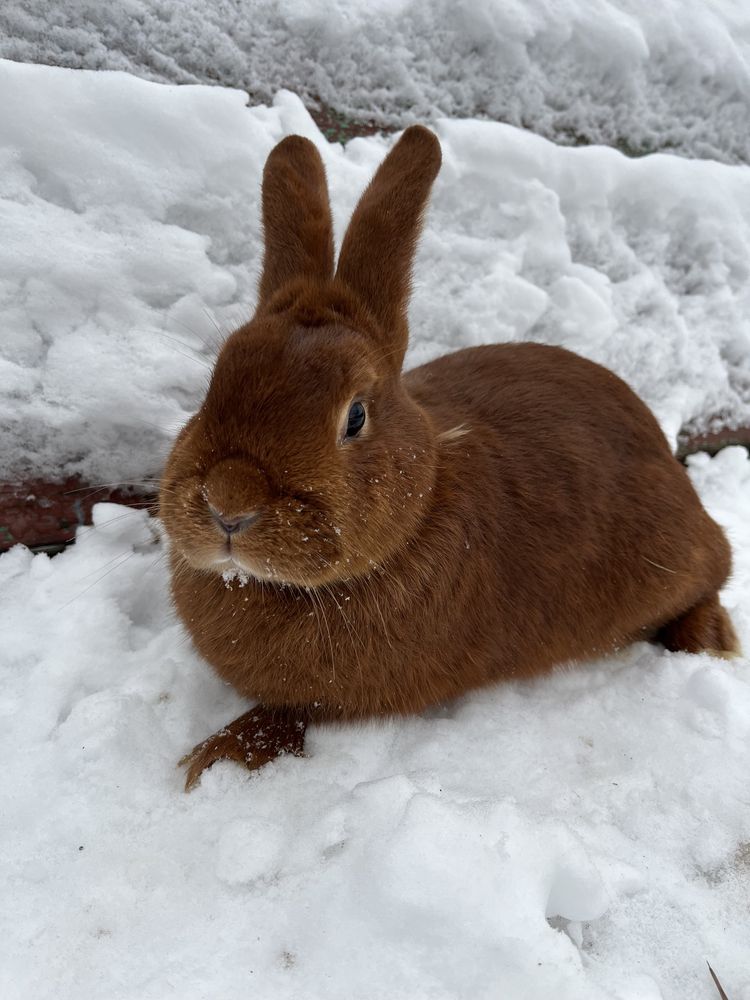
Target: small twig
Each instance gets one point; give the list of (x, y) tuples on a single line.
[(719, 987)]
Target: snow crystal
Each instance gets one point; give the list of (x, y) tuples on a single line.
[(235, 575)]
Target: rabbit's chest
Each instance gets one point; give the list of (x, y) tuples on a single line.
[(288, 648)]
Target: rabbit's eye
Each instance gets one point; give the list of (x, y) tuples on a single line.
[(356, 420)]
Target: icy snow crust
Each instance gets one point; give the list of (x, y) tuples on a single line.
[(130, 246), (671, 74), (583, 837)]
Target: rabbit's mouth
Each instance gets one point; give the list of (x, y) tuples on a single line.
[(229, 567), (306, 577), (229, 560)]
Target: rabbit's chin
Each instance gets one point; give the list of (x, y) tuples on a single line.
[(230, 567), (233, 565)]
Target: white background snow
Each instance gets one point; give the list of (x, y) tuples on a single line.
[(584, 837), (649, 75)]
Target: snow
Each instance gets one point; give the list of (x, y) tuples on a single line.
[(668, 75), (583, 837), (129, 213)]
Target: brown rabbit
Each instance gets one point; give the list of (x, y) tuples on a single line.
[(402, 539)]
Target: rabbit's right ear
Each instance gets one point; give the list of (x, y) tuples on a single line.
[(296, 217), (378, 249)]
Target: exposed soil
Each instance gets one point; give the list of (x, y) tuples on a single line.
[(338, 128)]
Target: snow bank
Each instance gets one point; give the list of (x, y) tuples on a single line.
[(129, 214), (668, 75), (584, 837)]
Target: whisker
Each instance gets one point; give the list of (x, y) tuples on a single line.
[(190, 357), (316, 599), (122, 562), (97, 487), (212, 320)]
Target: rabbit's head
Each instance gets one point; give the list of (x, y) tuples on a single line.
[(308, 462)]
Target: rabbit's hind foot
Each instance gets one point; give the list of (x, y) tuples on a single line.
[(704, 628)]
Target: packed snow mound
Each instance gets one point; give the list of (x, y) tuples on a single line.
[(131, 245), (668, 75), (582, 837)]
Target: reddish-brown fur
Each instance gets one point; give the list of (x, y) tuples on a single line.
[(505, 508)]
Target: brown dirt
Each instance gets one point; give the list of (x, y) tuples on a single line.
[(338, 128)]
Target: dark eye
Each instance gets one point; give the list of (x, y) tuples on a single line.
[(356, 420)]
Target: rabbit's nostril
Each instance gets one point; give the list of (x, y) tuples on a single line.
[(233, 525)]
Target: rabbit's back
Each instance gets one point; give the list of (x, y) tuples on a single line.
[(545, 396), (593, 525)]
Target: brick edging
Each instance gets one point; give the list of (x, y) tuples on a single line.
[(44, 515), (713, 441)]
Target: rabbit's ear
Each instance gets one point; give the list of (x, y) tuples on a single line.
[(379, 245), (296, 217)]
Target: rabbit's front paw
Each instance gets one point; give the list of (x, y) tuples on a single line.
[(253, 739)]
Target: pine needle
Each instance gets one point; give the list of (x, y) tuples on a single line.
[(719, 987)]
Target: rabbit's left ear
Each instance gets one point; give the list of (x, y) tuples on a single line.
[(296, 217), (379, 246)]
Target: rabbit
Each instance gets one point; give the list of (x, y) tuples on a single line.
[(399, 539)]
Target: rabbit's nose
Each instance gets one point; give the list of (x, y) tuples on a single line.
[(233, 525)]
